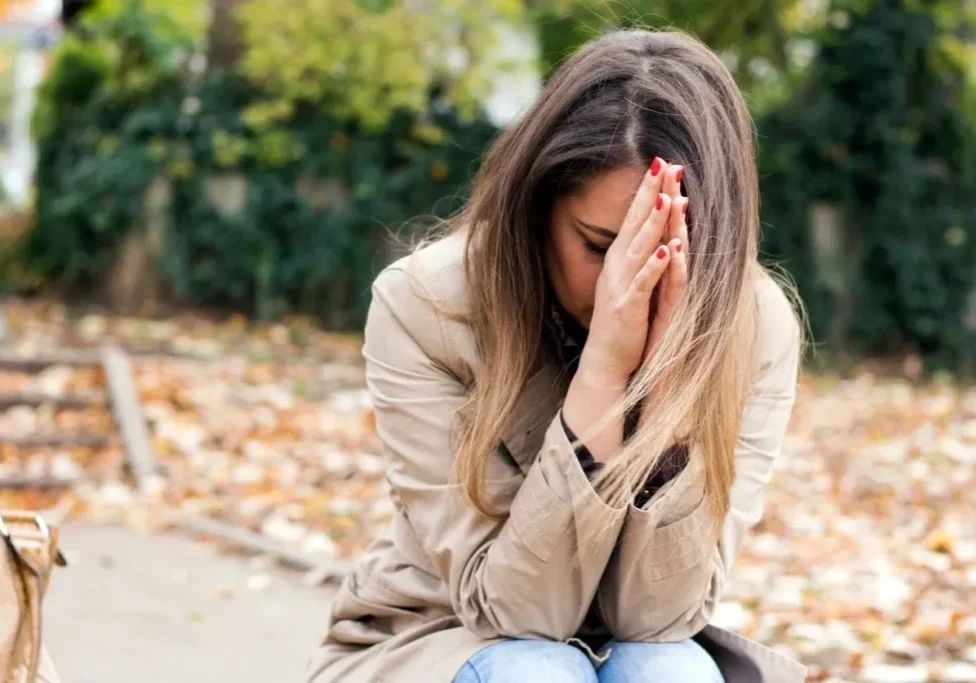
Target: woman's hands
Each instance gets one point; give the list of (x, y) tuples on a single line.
[(622, 331), (675, 281)]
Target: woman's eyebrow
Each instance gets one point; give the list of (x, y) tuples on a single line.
[(602, 232)]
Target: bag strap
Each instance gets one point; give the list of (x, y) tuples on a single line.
[(33, 547)]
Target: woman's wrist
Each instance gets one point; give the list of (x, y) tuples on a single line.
[(595, 370), (593, 392)]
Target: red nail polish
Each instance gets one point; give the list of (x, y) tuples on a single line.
[(678, 248), (684, 207), (656, 166), (661, 252), (679, 174), (659, 202)]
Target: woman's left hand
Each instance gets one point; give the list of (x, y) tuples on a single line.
[(675, 278)]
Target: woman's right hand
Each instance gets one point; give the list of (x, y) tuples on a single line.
[(633, 265), (619, 327)]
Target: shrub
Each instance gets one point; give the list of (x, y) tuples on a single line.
[(123, 110)]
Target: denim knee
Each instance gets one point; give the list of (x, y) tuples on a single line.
[(519, 661), (682, 662)]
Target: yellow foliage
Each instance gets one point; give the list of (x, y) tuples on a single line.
[(228, 149), (191, 15), (277, 147), (363, 64)]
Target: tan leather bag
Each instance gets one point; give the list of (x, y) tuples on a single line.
[(29, 552)]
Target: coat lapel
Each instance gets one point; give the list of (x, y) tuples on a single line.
[(536, 406)]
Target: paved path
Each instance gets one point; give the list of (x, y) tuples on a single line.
[(134, 608)]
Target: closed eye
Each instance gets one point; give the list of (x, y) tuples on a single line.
[(594, 248), (585, 231)]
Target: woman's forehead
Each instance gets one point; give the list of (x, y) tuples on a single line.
[(604, 199)]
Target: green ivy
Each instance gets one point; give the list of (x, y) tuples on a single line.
[(881, 131), (122, 109)]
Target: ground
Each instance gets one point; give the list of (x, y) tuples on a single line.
[(161, 608), (863, 567)]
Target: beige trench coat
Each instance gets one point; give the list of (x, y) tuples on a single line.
[(443, 582)]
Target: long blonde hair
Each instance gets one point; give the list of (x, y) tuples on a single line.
[(619, 101)]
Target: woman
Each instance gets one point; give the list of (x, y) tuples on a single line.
[(581, 390)]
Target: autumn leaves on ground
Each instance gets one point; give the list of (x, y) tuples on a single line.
[(864, 566)]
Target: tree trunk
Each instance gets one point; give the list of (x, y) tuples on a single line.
[(223, 37)]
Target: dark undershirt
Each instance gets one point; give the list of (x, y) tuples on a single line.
[(567, 337)]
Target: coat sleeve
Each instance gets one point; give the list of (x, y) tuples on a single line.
[(669, 571), (523, 575)]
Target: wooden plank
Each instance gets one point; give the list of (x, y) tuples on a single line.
[(34, 399), (350, 369), (320, 571), (11, 359), (57, 440), (44, 482), (127, 410)]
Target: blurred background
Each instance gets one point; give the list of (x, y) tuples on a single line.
[(196, 195)]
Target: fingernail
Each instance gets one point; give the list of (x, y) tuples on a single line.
[(679, 174), (659, 202), (684, 207), (678, 248), (661, 252), (656, 166)]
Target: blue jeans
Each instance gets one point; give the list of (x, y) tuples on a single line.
[(528, 661)]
